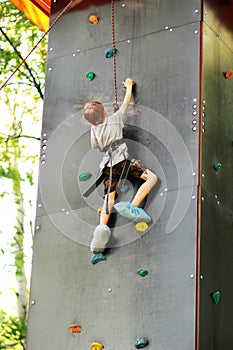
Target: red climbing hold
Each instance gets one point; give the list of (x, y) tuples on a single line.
[(228, 74), (75, 328)]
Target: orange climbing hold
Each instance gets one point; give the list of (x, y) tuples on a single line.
[(228, 74), (93, 19), (75, 328), (96, 346)]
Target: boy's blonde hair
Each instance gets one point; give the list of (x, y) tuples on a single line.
[(94, 112)]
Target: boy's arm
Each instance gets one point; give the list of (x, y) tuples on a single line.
[(94, 143), (128, 85)]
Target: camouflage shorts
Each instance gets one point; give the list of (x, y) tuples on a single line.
[(136, 170)]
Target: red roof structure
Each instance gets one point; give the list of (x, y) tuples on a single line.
[(37, 11)]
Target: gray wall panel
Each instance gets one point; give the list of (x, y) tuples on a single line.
[(80, 291), (135, 19), (112, 303)]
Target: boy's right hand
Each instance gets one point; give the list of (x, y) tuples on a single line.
[(127, 83)]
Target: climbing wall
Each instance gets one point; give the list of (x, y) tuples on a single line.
[(217, 190), (158, 45)]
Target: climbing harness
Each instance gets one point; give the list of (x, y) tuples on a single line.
[(124, 174), (106, 201), (115, 104), (32, 50)]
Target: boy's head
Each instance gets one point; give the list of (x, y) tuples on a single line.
[(94, 112)]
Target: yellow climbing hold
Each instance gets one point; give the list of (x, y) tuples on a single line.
[(141, 226), (96, 346)]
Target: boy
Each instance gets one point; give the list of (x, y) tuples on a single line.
[(107, 136)]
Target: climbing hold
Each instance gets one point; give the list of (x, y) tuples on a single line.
[(216, 297), (124, 189), (97, 258), (142, 272), (75, 328), (90, 76), (93, 19), (228, 74), (141, 343), (141, 226), (84, 175), (217, 166), (96, 346), (109, 52)]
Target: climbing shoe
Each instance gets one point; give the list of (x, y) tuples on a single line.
[(101, 237), (130, 212)]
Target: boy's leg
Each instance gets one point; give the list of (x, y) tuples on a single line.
[(150, 181), (102, 232), (130, 210)]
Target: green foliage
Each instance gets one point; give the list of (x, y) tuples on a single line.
[(30, 178), (10, 173), (18, 244), (12, 332), (18, 36), (20, 112)]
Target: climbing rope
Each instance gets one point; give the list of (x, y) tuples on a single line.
[(115, 104), (32, 50)]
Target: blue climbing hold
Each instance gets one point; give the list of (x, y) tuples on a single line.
[(108, 53), (141, 343), (124, 189), (98, 258), (130, 212)]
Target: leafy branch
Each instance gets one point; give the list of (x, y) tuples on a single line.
[(35, 83)]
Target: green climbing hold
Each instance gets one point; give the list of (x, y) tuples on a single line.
[(142, 272), (217, 166), (216, 297), (90, 76), (84, 175), (141, 343)]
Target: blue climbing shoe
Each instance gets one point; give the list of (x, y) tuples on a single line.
[(97, 258), (130, 212)]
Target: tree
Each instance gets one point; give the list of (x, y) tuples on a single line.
[(12, 332), (21, 106)]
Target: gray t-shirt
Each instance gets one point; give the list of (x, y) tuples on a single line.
[(104, 134)]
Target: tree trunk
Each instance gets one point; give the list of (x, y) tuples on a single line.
[(21, 279)]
